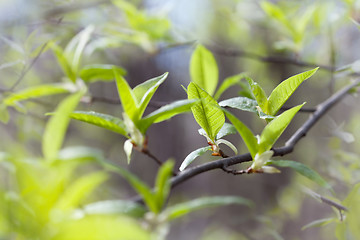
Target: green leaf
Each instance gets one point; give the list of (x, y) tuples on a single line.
[(246, 134), (56, 127), (207, 112), (103, 72), (166, 112), (204, 70), (275, 128), (80, 153), (303, 170), (285, 89), (145, 91), (191, 157), (4, 113), (63, 61), (95, 227), (162, 184), (259, 95), (241, 103), (115, 207), (35, 92), (182, 209), (318, 223), (79, 190), (127, 97), (226, 129), (227, 83), (140, 187), (101, 120), (275, 12)]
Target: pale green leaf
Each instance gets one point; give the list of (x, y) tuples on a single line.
[(4, 113), (182, 209), (227, 143), (127, 97), (140, 187), (227, 83), (204, 70), (145, 91), (128, 147), (303, 170), (102, 72), (275, 12), (96, 227), (285, 89), (259, 95), (226, 129), (79, 190), (115, 207), (275, 128), (191, 157), (101, 120), (80, 153), (207, 112), (35, 92), (318, 223), (56, 127), (166, 112), (246, 134), (241, 103), (63, 61), (162, 184)]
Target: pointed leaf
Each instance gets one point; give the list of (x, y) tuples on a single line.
[(207, 112), (166, 112), (182, 209), (162, 184), (285, 89), (191, 157), (275, 128), (245, 133), (319, 223), (153, 86), (63, 61), (241, 103), (56, 127), (204, 70), (128, 147), (303, 170), (127, 97), (102, 72), (259, 95), (35, 92), (227, 83), (101, 120), (141, 188), (79, 190), (116, 207)]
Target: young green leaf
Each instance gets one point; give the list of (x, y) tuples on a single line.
[(4, 113), (128, 147), (145, 91), (227, 83), (303, 170), (319, 223), (191, 157), (101, 120), (275, 128), (110, 207), (285, 89), (166, 112), (79, 190), (142, 188), (241, 103), (35, 92), (226, 129), (182, 209), (204, 70), (127, 97), (103, 72), (259, 95), (162, 184), (63, 61), (56, 127), (207, 112), (246, 134)]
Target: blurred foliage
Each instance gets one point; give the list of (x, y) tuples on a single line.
[(58, 56)]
